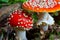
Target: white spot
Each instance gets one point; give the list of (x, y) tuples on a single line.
[(24, 20), (9, 18), (12, 16), (27, 4), (44, 0), (30, 3), (15, 10), (25, 15), (26, 25), (18, 23), (14, 34), (34, 4), (21, 22), (10, 13), (58, 2), (24, 4), (19, 19), (31, 25), (16, 26)]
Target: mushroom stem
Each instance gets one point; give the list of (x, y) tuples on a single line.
[(47, 19), (21, 35), (1, 37), (45, 27)]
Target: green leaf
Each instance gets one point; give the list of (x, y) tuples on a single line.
[(0, 5), (34, 16), (56, 14), (23, 1), (4, 1), (58, 33), (51, 37), (11, 2), (59, 22)]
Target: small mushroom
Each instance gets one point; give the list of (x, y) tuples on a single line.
[(22, 21)]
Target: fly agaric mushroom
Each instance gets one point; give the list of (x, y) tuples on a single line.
[(19, 19), (44, 6)]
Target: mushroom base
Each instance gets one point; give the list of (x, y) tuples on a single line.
[(45, 28), (21, 35)]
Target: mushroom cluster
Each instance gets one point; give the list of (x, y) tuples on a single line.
[(43, 7), (20, 19)]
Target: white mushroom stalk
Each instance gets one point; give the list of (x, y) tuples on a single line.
[(21, 35), (46, 18), (22, 21)]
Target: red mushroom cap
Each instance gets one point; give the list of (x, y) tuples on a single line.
[(42, 5), (19, 19)]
